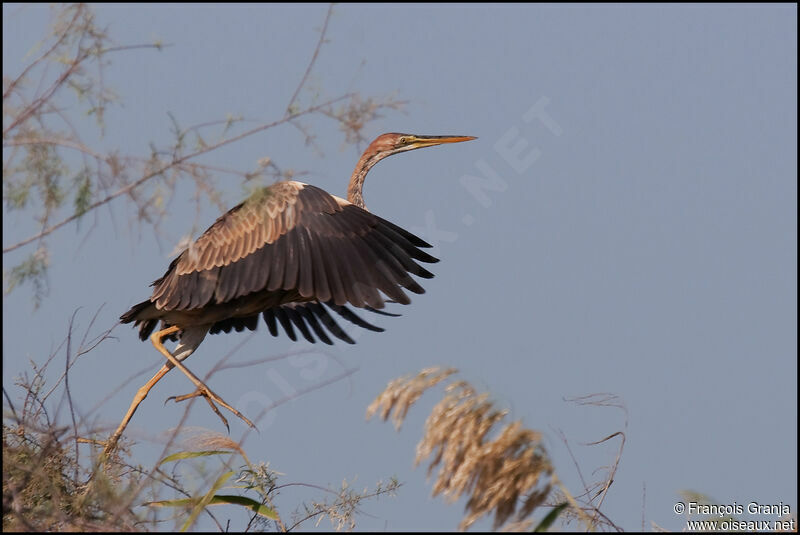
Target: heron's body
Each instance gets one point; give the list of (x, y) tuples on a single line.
[(290, 253), (282, 253)]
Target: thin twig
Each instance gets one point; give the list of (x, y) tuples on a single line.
[(11, 405), (69, 394), (171, 164), (58, 42), (373, 494), (41, 100), (58, 142), (313, 60)]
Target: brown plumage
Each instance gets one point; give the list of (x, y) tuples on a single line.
[(290, 243), (290, 253)]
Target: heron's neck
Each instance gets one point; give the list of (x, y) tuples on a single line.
[(355, 193)]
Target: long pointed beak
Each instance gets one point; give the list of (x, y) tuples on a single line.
[(429, 141)]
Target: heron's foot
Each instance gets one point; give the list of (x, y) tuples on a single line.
[(210, 398)]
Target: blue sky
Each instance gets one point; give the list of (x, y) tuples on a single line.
[(633, 231)]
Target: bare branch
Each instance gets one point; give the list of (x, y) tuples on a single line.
[(313, 60), (59, 142), (160, 170), (44, 56)]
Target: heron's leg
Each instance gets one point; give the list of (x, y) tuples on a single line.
[(137, 399), (202, 389)]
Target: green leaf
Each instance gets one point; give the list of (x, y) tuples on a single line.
[(221, 499), (256, 507), (548, 520), (32, 270), (16, 193), (172, 503), (206, 500), (83, 195), (192, 454)]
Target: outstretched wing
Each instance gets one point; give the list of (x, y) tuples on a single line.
[(309, 318), (290, 315), (295, 238)]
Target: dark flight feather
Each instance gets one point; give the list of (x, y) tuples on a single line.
[(283, 252)]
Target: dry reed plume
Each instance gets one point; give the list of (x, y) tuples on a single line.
[(508, 474)]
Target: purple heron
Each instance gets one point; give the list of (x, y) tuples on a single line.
[(291, 252)]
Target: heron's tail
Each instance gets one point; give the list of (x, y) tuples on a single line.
[(146, 326)]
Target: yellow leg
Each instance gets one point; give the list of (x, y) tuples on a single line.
[(202, 390), (137, 399)]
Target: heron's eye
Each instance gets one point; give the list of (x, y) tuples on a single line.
[(402, 140)]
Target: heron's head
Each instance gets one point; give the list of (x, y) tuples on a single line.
[(388, 144)]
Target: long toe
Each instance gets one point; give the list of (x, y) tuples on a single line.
[(212, 398)]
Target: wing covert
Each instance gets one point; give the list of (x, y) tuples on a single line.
[(296, 237)]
